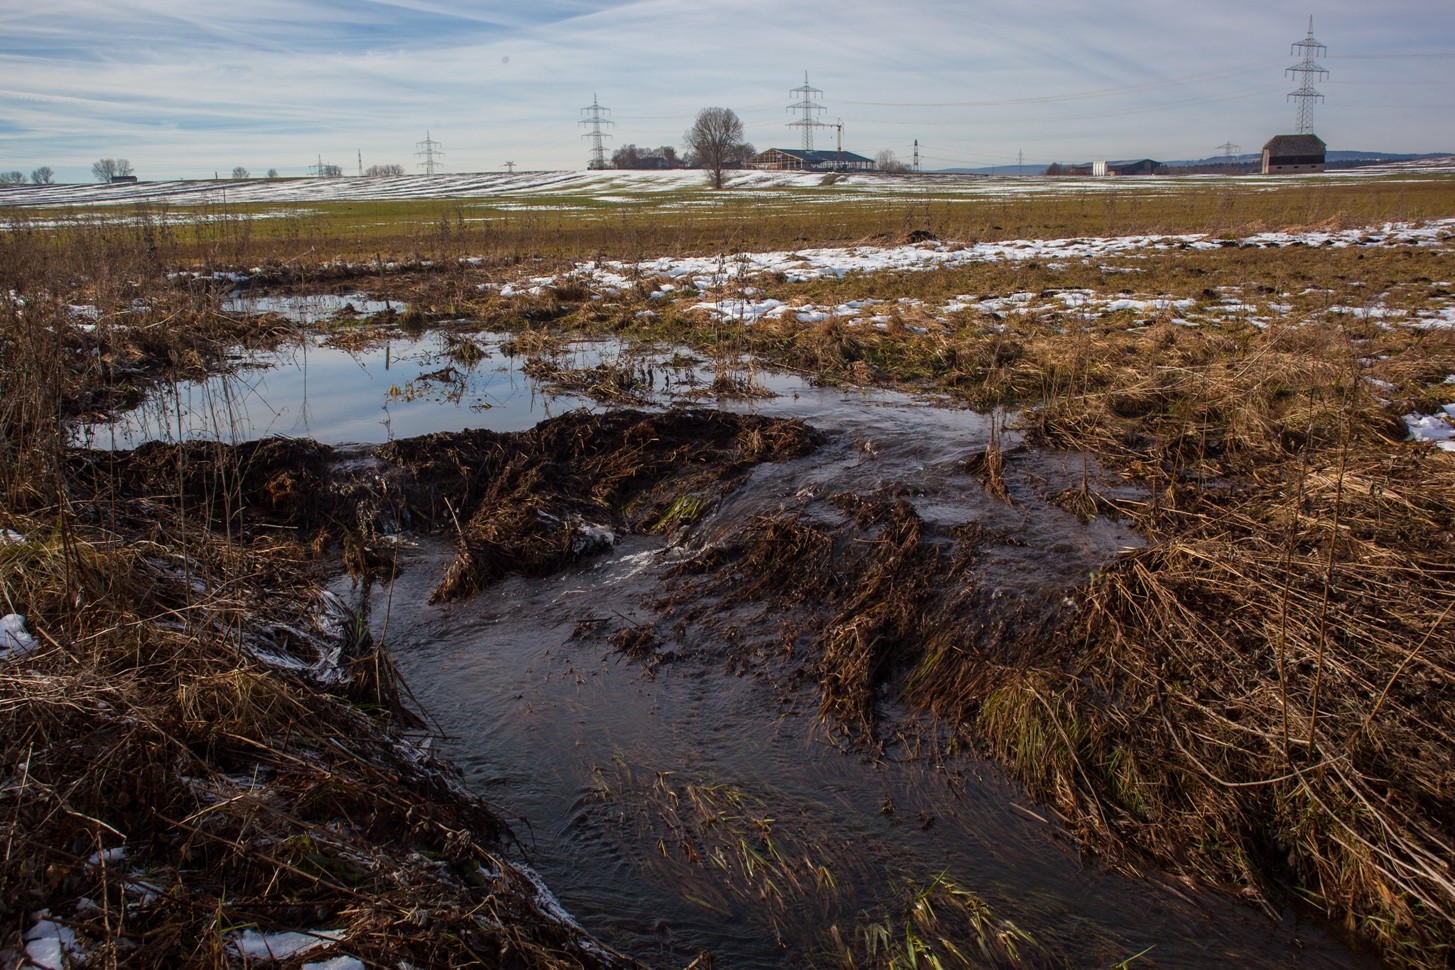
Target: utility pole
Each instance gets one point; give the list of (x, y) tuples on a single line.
[(510, 167), (916, 156), (429, 150), (595, 118), (361, 162), (1309, 70), (808, 110), (1020, 162)]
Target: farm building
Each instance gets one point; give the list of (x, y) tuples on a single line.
[(1136, 166), (1293, 153), (801, 160)]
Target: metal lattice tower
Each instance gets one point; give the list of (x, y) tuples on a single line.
[(596, 117), (1310, 71), (429, 149), (1227, 148), (807, 109)]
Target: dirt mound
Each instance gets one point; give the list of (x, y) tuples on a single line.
[(525, 502), (564, 489)]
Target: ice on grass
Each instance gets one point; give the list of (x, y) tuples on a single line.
[(1437, 428), (275, 947), (15, 640)]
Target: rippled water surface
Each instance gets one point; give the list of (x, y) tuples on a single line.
[(684, 804), (626, 775)]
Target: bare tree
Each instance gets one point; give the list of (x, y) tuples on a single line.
[(43, 176), (241, 173), (627, 156), (12, 178), (716, 138), (272, 173), (377, 170), (886, 161), (106, 169)]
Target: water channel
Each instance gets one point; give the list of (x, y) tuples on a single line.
[(623, 776)]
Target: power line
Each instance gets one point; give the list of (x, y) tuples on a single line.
[(1308, 70), (806, 107), (596, 117), (1070, 96), (429, 150)]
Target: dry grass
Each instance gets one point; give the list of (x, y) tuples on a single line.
[(203, 742), (1260, 698), (248, 784)]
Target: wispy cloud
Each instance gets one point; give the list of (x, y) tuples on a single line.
[(186, 89)]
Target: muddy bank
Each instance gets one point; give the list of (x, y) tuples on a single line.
[(205, 752), (205, 761), (527, 502)]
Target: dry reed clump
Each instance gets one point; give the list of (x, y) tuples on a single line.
[(203, 745), (1263, 695), (173, 771), (561, 491)]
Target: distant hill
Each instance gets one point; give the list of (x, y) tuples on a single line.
[(1339, 158), (1333, 155)]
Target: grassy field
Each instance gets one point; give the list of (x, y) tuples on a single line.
[(1262, 699), (614, 222)]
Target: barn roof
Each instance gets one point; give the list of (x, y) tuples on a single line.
[(818, 157), (1295, 145)]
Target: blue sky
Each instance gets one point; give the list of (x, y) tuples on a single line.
[(183, 89)]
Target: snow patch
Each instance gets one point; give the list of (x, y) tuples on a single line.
[(273, 947), (336, 963), (51, 946), (1438, 428), (15, 640)]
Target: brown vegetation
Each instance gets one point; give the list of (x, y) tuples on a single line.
[(1262, 697)]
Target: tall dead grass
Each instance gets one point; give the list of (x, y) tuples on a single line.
[(202, 743)]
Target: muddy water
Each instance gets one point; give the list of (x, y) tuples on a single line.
[(645, 790)]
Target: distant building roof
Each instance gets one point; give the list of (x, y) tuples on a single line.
[(816, 158), (1295, 145)]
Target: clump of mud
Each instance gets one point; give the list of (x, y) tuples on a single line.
[(527, 502), (564, 489), (858, 594)]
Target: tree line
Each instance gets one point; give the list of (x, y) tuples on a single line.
[(41, 176)]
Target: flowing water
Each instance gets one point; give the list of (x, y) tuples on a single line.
[(684, 802), (644, 790)]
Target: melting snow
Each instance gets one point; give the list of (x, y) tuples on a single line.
[(336, 963), (1438, 428), (51, 946), (270, 947), (15, 640)]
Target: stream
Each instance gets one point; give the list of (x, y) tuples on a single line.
[(684, 802)]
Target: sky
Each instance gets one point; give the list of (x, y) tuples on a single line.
[(189, 88)]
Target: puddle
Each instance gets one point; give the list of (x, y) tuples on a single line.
[(699, 803), (397, 388), (312, 308)]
